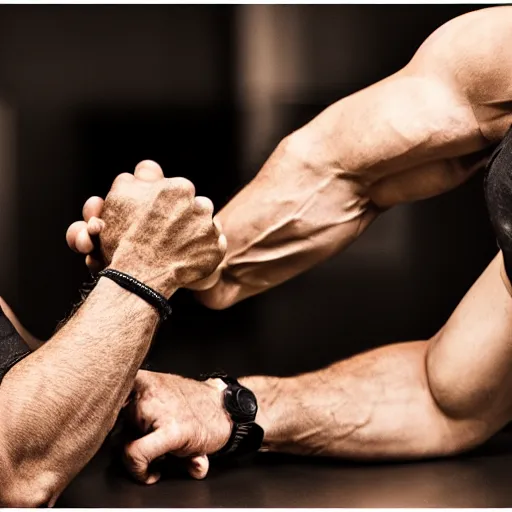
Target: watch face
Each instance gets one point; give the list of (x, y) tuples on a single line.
[(242, 405), (246, 402)]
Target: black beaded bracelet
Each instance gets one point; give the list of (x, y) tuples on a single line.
[(143, 291)]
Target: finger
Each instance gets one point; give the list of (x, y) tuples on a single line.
[(124, 177), (223, 244), (83, 241), (197, 467), (93, 264), (92, 208), (147, 170), (183, 185), (72, 233), (95, 226), (139, 454), (223, 241), (218, 225), (203, 205)]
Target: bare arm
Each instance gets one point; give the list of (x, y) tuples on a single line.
[(402, 401), (58, 404), (415, 134), (407, 400)]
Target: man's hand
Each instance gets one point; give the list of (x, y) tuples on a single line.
[(59, 403), (179, 416), (83, 235), (186, 245)]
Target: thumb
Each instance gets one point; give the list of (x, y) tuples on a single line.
[(139, 454), (197, 467)]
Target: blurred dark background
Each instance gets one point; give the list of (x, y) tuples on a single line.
[(86, 92)]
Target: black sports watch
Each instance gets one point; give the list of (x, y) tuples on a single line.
[(241, 405)]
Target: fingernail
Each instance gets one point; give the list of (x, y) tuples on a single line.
[(153, 479)]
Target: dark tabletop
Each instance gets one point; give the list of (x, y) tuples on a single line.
[(478, 479)]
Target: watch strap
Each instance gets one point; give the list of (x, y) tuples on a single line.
[(246, 435), (245, 438)]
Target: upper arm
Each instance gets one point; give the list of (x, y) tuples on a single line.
[(469, 362), (427, 128), (435, 108), (471, 55)]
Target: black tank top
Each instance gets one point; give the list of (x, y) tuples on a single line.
[(12, 347), (498, 196)]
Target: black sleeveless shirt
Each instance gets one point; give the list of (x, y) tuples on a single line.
[(498, 196), (12, 347)]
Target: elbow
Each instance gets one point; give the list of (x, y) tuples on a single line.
[(468, 418), (457, 397), (26, 485), (21, 492)]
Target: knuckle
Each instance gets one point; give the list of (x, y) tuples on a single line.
[(124, 177), (183, 186), (134, 456), (211, 258), (204, 205)]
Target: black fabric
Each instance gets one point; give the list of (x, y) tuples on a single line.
[(498, 196), (12, 347)]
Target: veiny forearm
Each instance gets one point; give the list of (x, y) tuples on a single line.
[(398, 140), (293, 215), (412, 399), (59, 403), (377, 405)]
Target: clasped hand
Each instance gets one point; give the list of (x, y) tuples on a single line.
[(156, 229)]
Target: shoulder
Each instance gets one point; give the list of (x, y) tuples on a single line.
[(477, 41), (473, 55)]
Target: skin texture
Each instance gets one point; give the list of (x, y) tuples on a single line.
[(408, 400), (416, 134), (59, 403)]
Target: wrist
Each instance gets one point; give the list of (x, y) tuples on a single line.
[(160, 281), (274, 410), (224, 422), (136, 305)]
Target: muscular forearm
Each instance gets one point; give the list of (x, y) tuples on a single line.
[(377, 405), (394, 142), (411, 136), (59, 403), (293, 215)]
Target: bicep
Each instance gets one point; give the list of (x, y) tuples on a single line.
[(401, 122), (431, 109), (409, 120), (469, 363), (471, 54)]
